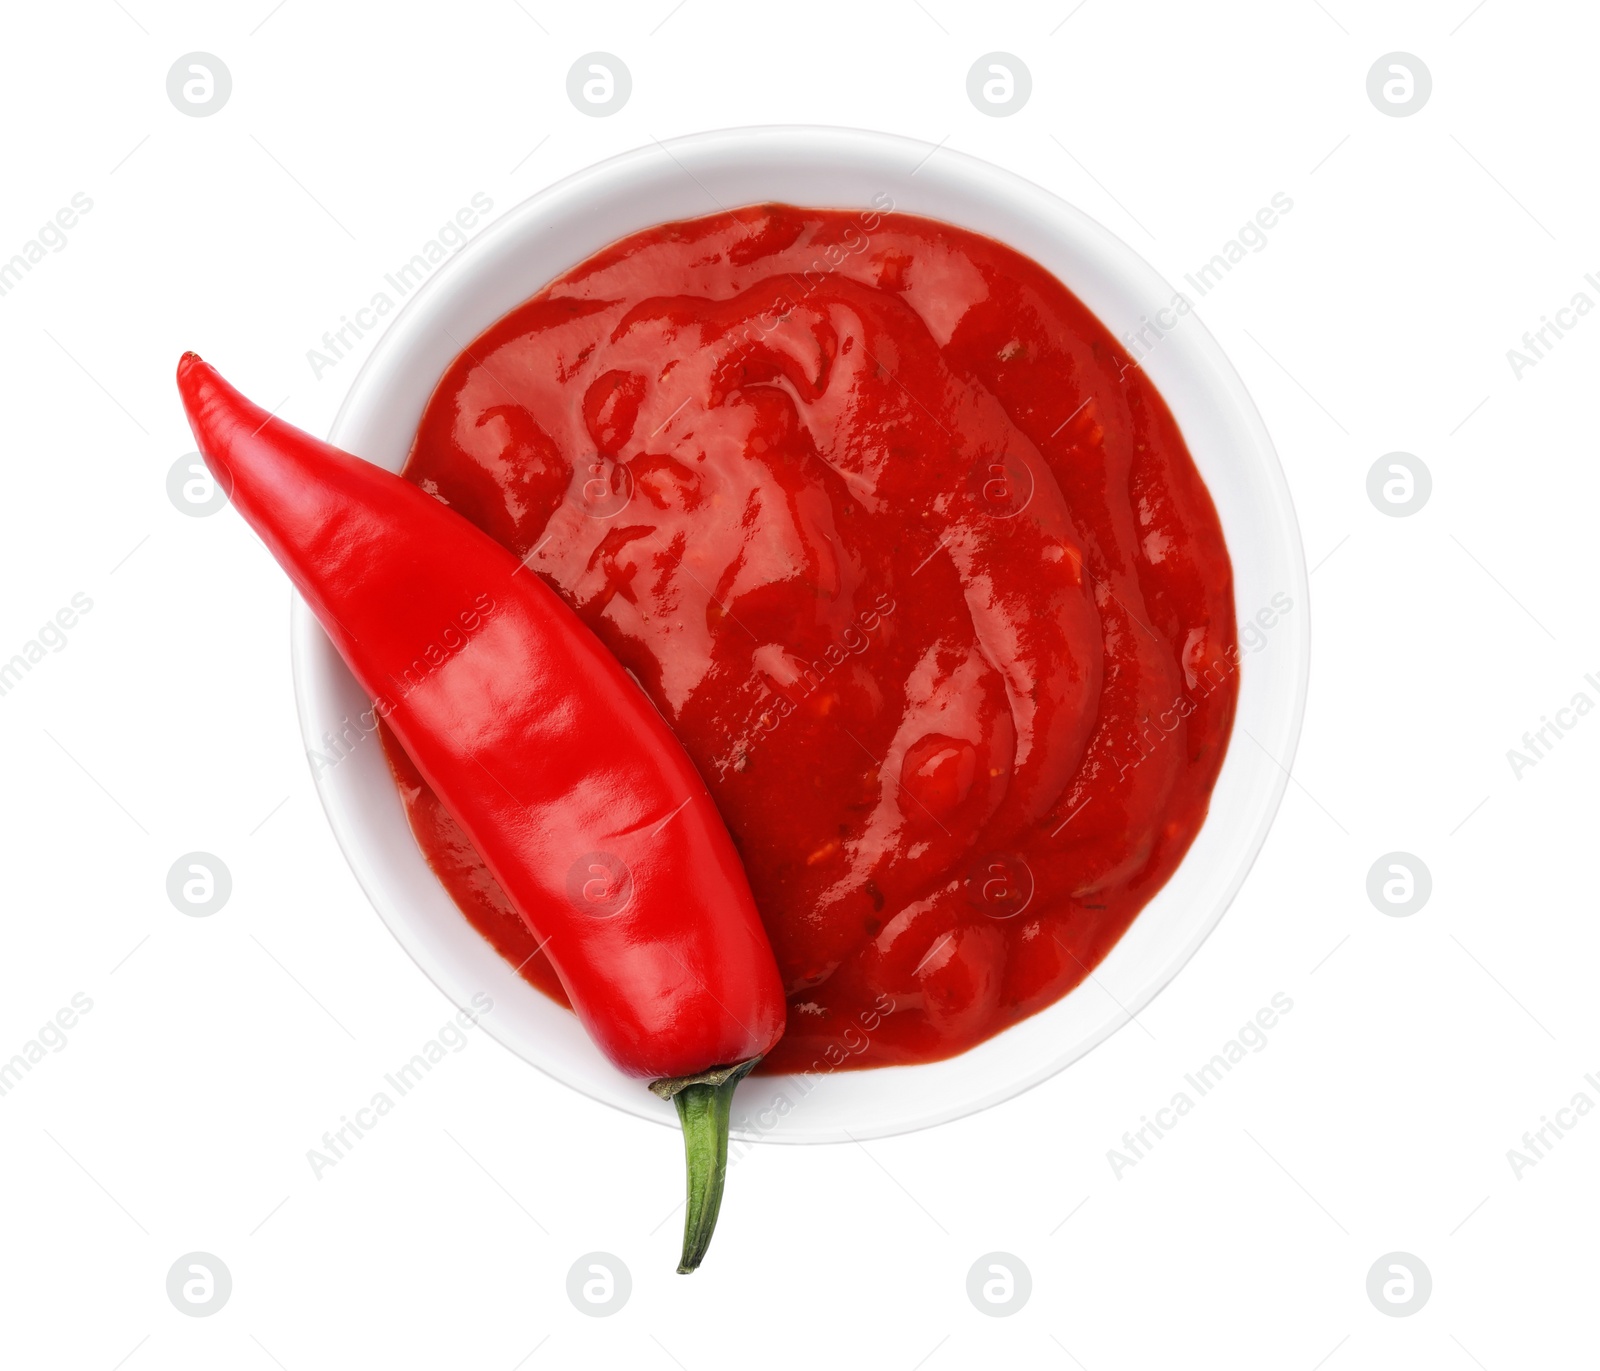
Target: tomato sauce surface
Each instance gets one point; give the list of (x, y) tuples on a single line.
[(913, 559)]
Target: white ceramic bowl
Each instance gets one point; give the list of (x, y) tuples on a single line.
[(837, 168)]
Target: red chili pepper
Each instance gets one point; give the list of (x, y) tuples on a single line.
[(556, 764)]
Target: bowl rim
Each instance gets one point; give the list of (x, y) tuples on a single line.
[(522, 218)]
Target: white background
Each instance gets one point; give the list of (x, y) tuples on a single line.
[(218, 1050)]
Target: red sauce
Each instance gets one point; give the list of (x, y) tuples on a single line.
[(915, 562)]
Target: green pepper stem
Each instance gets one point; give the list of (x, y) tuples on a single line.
[(705, 1104)]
